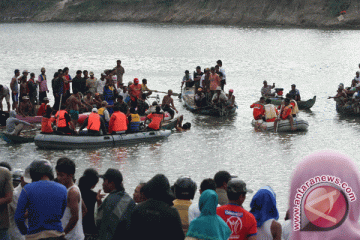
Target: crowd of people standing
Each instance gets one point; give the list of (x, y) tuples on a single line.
[(48, 206), (115, 107)]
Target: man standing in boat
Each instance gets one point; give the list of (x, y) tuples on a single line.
[(14, 85), (43, 89), (187, 79), (119, 73), (135, 92), (168, 104), (294, 93), (73, 103), (197, 76), (222, 70), (266, 90)]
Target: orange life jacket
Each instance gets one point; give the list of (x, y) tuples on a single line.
[(156, 120), (46, 125), (118, 122), (258, 110), (94, 122), (286, 112), (62, 121)]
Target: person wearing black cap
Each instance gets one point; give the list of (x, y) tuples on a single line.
[(113, 218), (241, 222), (197, 76), (45, 201), (156, 218), (184, 189), (221, 179), (295, 93), (187, 79)]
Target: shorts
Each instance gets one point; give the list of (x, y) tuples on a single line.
[(169, 110), (7, 97), (15, 97), (74, 115)]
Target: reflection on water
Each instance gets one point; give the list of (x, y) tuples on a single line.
[(316, 60)]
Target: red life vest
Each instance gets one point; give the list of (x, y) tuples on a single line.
[(61, 122), (94, 122), (46, 125), (118, 122), (258, 110), (286, 112), (156, 120), (42, 109)]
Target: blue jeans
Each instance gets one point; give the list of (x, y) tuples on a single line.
[(4, 234)]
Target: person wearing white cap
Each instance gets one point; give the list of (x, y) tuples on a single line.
[(44, 105), (43, 89), (13, 229), (91, 83), (25, 107), (219, 96), (94, 123)]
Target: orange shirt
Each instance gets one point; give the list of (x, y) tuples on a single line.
[(241, 222), (156, 120), (214, 81), (135, 90), (258, 110)]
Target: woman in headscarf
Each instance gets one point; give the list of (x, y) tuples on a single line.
[(323, 197), (263, 207), (156, 218), (208, 226)]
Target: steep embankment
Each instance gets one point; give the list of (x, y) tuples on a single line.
[(293, 13)]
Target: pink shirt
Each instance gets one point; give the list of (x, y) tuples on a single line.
[(214, 81), (42, 83)]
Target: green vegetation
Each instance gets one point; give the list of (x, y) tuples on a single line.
[(26, 5), (336, 6)]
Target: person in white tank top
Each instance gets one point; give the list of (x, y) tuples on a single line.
[(263, 207), (72, 219)]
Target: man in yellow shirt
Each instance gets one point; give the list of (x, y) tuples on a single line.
[(144, 88), (184, 189)]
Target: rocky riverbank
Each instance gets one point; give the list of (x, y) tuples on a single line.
[(286, 13)]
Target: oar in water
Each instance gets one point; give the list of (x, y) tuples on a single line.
[(175, 94)]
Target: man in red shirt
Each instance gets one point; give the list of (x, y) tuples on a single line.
[(135, 92), (43, 107), (259, 111), (241, 222)]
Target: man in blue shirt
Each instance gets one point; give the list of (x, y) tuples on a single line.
[(45, 201)]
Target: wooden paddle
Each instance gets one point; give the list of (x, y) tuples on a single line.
[(175, 94)]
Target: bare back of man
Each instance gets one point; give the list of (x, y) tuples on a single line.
[(73, 103)]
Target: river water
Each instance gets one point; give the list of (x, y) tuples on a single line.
[(315, 60)]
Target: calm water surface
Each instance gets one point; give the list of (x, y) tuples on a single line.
[(316, 60)]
